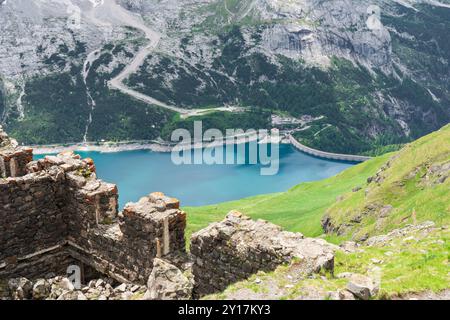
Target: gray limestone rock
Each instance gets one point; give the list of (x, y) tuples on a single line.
[(20, 288), (362, 287), (167, 282), (41, 289)]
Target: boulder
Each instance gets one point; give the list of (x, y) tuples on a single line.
[(405, 232), (346, 295), (72, 295), (386, 210), (121, 288), (20, 288), (349, 246), (66, 284), (362, 287), (167, 282), (41, 289), (60, 286)]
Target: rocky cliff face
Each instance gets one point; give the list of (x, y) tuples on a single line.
[(382, 66), (312, 30)]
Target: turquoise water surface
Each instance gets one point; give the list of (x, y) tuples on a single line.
[(138, 173)]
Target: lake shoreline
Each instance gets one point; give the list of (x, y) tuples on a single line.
[(204, 184), (155, 146), (166, 147)]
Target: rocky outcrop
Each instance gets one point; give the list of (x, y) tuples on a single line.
[(232, 250), (41, 289), (20, 288), (383, 240), (436, 174), (302, 35), (167, 282)]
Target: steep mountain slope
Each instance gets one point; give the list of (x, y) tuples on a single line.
[(374, 73), (413, 186), (325, 58), (2, 98), (56, 58)]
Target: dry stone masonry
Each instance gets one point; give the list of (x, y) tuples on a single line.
[(55, 213), (13, 160), (56, 207), (167, 282), (238, 247)]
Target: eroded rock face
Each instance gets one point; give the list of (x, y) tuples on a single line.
[(232, 250), (312, 41), (41, 28), (295, 31), (167, 282), (61, 288), (436, 174)]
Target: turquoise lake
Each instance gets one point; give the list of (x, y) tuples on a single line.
[(138, 173)]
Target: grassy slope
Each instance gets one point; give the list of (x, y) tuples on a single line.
[(299, 209), (407, 186)]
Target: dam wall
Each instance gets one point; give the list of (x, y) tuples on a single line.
[(326, 155)]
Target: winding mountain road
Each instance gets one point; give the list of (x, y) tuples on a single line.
[(110, 13)]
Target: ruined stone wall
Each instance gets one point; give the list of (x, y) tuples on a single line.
[(31, 214), (120, 245), (13, 160), (236, 248), (57, 207), (156, 221), (124, 248), (49, 263), (34, 218)]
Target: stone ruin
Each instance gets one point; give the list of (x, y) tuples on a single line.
[(238, 247), (56, 207), (55, 213), (13, 160)]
